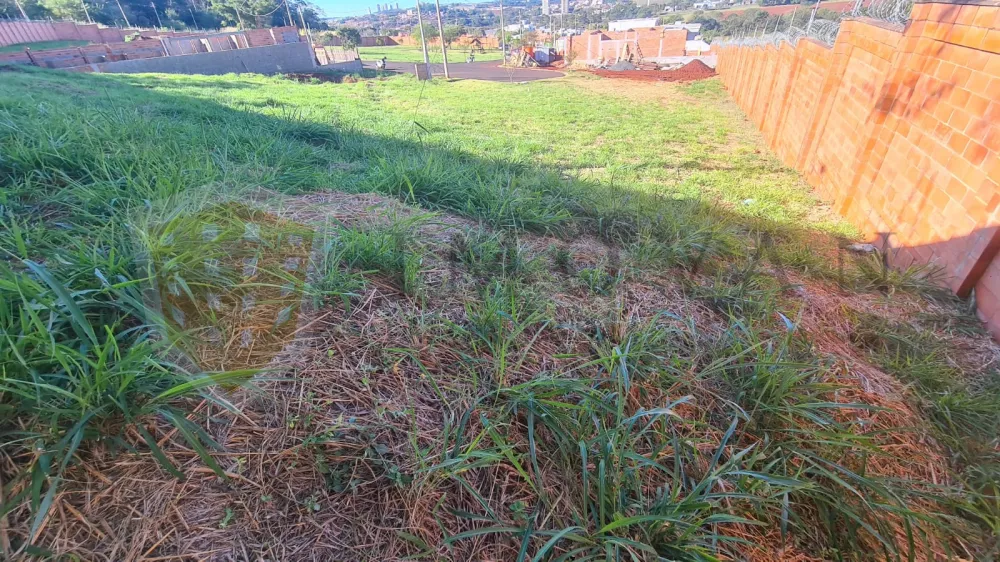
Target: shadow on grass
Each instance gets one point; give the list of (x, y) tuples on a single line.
[(184, 141), (194, 141), (80, 164)]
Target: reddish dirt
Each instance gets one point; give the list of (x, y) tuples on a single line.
[(310, 76), (694, 70)]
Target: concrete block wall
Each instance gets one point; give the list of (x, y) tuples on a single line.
[(899, 127)]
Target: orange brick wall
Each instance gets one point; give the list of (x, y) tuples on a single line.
[(898, 128), (14, 32), (91, 33), (149, 48), (653, 42)]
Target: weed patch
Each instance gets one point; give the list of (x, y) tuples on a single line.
[(492, 254)]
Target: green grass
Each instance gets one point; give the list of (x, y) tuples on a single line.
[(698, 151), (405, 53), (965, 414), (40, 45), (553, 404)]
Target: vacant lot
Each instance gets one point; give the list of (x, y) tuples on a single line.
[(247, 318), (403, 53)]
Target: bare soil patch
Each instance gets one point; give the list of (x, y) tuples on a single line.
[(307, 77)]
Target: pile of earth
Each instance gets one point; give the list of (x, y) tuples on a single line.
[(312, 77), (694, 70)]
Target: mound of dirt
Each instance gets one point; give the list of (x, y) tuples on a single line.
[(694, 70), (307, 77)]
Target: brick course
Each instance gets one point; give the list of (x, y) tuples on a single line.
[(179, 43), (899, 128), (653, 42)]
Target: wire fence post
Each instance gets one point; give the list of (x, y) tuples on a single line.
[(21, 9), (812, 17)]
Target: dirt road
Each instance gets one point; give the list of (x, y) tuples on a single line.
[(489, 70)]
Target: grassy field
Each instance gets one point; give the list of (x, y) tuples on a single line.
[(246, 317), (42, 45), (403, 53)]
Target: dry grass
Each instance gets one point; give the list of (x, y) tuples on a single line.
[(327, 457)]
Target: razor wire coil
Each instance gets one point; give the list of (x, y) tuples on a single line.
[(892, 12)]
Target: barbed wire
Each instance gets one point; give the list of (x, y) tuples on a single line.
[(823, 29)]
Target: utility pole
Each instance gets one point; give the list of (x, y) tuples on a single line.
[(503, 34), (288, 11), (444, 51), (86, 11), (194, 20), (153, 6), (122, 10), (423, 41), (21, 8), (303, 20), (239, 16)]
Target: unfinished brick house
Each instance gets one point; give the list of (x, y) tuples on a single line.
[(653, 43)]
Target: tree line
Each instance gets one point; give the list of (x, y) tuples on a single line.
[(174, 14)]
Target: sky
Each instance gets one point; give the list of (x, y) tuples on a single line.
[(344, 8)]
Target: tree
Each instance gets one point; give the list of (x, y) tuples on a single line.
[(528, 38), (708, 23), (65, 9), (350, 37), (179, 14), (744, 22), (430, 31), (452, 32), (311, 13), (34, 10), (241, 13)]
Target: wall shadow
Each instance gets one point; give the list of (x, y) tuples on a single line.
[(341, 157)]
